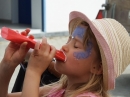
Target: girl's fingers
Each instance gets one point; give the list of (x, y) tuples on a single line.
[(37, 45), (23, 48), (45, 46), (25, 33), (53, 51), (36, 48), (31, 36), (44, 40)]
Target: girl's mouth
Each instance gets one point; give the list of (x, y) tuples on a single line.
[(60, 55)]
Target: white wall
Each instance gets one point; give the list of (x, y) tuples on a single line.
[(5, 9), (57, 12), (36, 14)]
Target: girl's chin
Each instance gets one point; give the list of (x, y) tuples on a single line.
[(58, 62)]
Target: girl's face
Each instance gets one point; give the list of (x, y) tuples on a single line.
[(79, 60)]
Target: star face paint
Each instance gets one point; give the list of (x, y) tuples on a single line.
[(79, 33)]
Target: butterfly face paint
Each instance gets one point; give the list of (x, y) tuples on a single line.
[(79, 33), (85, 54)]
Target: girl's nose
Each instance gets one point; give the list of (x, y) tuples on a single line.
[(65, 48)]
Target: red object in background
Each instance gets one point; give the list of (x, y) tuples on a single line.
[(13, 36), (100, 14)]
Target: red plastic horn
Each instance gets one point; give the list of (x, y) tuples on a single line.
[(13, 36)]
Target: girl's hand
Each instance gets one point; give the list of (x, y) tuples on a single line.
[(15, 53), (41, 57)]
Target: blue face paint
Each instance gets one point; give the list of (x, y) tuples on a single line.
[(85, 54), (79, 33)]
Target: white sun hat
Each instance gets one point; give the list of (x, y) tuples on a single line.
[(114, 45)]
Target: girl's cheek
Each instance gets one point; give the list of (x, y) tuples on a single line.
[(73, 60)]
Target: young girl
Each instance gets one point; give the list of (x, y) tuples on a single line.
[(97, 52)]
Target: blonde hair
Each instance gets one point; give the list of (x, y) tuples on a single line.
[(95, 83)]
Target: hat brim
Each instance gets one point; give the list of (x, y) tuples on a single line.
[(107, 60)]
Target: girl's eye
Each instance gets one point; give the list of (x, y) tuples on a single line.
[(76, 46)]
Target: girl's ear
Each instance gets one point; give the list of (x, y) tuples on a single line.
[(96, 69)]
